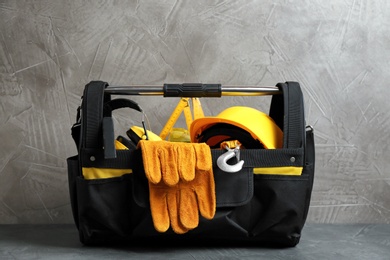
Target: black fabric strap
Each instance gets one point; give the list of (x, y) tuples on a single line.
[(92, 114), (296, 121), (287, 110), (125, 159), (310, 147), (97, 125), (108, 138), (254, 158)]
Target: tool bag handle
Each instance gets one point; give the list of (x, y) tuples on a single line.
[(97, 123), (289, 104), (92, 114), (193, 90), (286, 109)]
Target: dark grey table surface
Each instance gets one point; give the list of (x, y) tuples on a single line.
[(319, 241)]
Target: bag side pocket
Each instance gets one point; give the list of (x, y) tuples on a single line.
[(281, 202), (73, 171), (104, 209)]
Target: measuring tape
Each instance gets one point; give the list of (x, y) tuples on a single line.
[(183, 107), (198, 111)]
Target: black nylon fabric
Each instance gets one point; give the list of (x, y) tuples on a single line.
[(296, 122), (288, 113), (251, 208), (252, 158), (92, 113), (225, 196)]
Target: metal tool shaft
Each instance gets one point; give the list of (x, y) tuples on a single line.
[(228, 90)]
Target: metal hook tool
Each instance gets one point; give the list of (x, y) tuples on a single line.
[(222, 160)]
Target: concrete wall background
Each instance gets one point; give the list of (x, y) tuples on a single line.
[(338, 51)]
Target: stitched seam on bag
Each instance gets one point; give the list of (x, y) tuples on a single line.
[(104, 181), (283, 178)]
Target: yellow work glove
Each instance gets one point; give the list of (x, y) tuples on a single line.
[(180, 191), (171, 161), (178, 206)]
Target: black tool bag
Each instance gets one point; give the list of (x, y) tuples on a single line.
[(254, 209)]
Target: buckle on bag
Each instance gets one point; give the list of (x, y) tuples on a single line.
[(231, 152)]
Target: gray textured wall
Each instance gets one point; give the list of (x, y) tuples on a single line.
[(337, 50)]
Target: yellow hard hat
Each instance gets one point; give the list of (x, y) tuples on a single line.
[(255, 123)]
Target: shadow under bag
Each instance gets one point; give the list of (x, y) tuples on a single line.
[(252, 207)]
